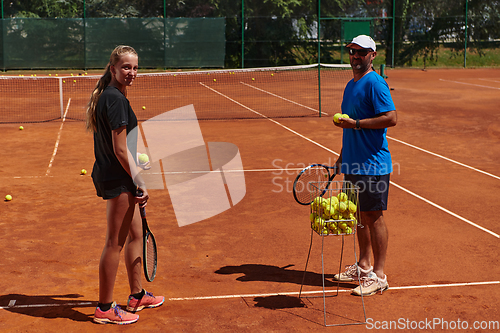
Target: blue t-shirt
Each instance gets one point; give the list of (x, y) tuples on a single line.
[(366, 152)]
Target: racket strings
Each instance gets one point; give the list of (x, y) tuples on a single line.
[(303, 187), (150, 259)]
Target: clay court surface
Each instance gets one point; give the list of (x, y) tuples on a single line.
[(241, 270)]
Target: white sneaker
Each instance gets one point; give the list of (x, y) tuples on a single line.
[(369, 285), (351, 273)]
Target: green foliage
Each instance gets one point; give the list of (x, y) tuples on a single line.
[(284, 32)]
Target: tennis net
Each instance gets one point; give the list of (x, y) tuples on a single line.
[(273, 92)]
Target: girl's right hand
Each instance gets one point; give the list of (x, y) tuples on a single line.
[(142, 197)]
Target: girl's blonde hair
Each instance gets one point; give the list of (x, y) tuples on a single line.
[(103, 82)]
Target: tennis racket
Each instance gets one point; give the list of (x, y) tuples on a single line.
[(149, 252), (302, 188)]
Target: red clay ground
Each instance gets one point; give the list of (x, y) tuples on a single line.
[(53, 229)]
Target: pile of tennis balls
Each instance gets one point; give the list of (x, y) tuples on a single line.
[(333, 216)]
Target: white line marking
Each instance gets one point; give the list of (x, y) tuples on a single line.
[(449, 285), (225, 171), (58, 138), (490, 80), (331, 151), (445, 210), (470, 84), (283, 98), (45, 305), (445, 158), (272, 120)]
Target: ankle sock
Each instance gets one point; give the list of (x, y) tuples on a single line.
[(139, 295), (104, 306)]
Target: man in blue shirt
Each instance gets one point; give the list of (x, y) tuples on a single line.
[(365, 161)]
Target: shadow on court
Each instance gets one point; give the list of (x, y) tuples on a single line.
[(47, 306), (258, 272), (278, 302)]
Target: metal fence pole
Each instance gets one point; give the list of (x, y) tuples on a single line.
[(242, 33), (319, 57), (164, 34), (465, 44), (393, 30), (84, 38)]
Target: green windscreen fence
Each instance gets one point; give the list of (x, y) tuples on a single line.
[(86, 43)]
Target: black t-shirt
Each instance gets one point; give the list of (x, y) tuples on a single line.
[(113, 111)]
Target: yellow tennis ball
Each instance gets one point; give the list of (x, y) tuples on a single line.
[(345, 116), (143, 158), (253, 79), (336, 117), (342, 196), (312, 217), (21, 128), (144, 108), (342, 206), (352, 207), (215, 80), (83, 172), (8, 197)]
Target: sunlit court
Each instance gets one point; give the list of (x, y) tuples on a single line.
[(242, 268)]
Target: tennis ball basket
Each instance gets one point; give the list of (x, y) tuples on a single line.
[(334, 208), (334, 211)]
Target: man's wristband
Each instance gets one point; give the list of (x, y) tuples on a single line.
[(358, 126)]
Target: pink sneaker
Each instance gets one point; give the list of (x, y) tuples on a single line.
[(147, 301), (115, 315)]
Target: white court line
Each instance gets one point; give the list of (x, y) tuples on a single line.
[(58, 139), (490, 80), (470, 84), (445, 158), (449, 285), (272, 120), (331, 151), (42, 305), (283, 98), (427, 286), (225, 171), (446, 210)]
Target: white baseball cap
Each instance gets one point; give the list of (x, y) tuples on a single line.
[(364, 41)]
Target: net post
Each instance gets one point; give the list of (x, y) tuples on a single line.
[(61, 97)]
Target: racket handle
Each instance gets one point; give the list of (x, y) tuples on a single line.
[(139, 193)]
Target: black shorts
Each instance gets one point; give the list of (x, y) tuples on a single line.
[(373, 191), (113, 188)]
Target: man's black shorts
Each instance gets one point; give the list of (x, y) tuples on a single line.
[(373, 191)]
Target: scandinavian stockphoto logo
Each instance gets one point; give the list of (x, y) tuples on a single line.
[(202, 179)]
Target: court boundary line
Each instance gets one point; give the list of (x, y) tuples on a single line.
[(445, 210), (445, 158), (312, 292), (329, 150), (271, 120), (56, 146), (470, 84), (283, 98)]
